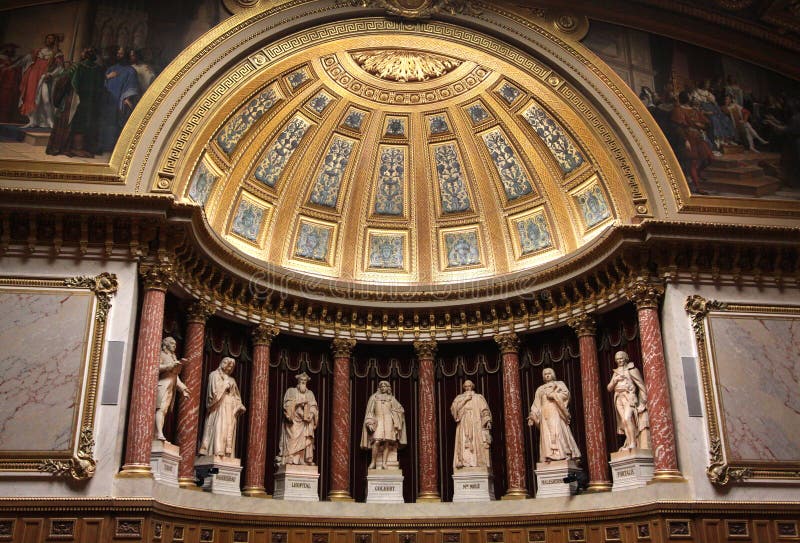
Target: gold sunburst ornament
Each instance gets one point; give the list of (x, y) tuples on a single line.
[(404, 65)]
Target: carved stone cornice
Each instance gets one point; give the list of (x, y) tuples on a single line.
[(425, 349), (644, 294), (584, 325), (508, 342), (342, 347), (158, 275), (263, 334), (200, 311), (698, 307)]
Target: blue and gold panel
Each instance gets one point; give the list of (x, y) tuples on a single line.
[(512, 175), (453, 193), (298, 78), (353, 119), (320, 102), (478, 113), (391, 181), (461, 248), (386, 251), (565, 152), (395, 127), (331, 172), (248, 220), (593, 205), (277, 156), (314, 241), (244, 119), (202, 184), (508, 92), (438, 124), (532, 233)]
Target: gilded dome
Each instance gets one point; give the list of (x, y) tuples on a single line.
[(406, 157)]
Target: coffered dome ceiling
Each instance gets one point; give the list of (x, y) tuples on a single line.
[(406, 158)]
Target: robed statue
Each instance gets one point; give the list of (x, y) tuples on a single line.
[(169, 368), (223, 405), (473, 429), (630, 403), (550, 412), (384, 428), (300, 419)]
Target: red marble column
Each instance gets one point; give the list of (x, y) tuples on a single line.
[(428, 446), (662, 429), (189, 408), (258, 410), (512, 414), (156, 278), (599, 479), (341, 428)]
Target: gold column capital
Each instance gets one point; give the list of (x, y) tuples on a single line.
[(508, 342), (263, 334), (157, 275), (425, 349), (343, 347), (200, 311), (644, 294), (584, 325)]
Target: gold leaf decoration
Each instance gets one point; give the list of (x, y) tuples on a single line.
[(404, 65)]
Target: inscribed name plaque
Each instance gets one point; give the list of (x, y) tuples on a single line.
[(384, 486), (550, 478), (226, 479), (52, 333), (748, 358), (631, 468), (164, 460), (297, 482), (473, 485)]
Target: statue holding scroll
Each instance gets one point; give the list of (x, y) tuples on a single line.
[(550, 412), (630, 403), (169, 368), (300, 418), (224, 405)]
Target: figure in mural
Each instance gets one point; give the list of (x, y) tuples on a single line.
[(77, 97), (550, 413), (300, 418), (741, 120), (224, 405), (384, 429), (122, 93), (695, 153), (44, 109), (36, 64), (169, 368), (10, 73), (144, 72), (473, 429), (630, 402)]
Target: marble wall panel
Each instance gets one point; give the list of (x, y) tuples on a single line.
[(44, 335)]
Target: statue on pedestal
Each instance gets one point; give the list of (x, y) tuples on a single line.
[(169, 368), (473, 429), (550, 412), (300, 418), (630, 403), (384, 429), (224, 404)]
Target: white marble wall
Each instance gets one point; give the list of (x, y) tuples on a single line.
[(691, 433), (109, 419)]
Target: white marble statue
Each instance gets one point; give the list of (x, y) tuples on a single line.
[(473, 429), (630, 402), (384, 428), (169, 367), (224, 405), (300, 419), (550, 412)]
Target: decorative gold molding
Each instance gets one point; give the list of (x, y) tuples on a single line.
[(342, 347), (721, 469), (404, 65), (584, 325), (425, 349), (264, 334), (418, 9), (200, 311), (508, 342)]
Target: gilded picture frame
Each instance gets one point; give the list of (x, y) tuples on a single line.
[(75, 460), (733, 459)]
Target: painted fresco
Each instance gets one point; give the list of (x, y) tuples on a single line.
[(202, 184), (71, 76), (244, 119), (734, 126), (562, 148), (533, 234), (247, 221), (386, 252), (593, 206), (452, 183), (462, 249), (275, 159), (437, 124), (313, 241), (326, 189), (514, 179), (391, 178), (395, 127)]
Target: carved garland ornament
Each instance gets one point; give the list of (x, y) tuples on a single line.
[(404, 65), (82, 465)]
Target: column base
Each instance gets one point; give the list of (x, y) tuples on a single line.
[(136, 471), (256, 492), (188, 483), (428, 497), (340, 496), (515, 494), (600, 486), (668, 476)]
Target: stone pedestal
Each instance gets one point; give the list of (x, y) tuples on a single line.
[(550, 478), (473, 485), (384, 486), (297, 483), (164, 460), (631, 469), (226, 480)]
